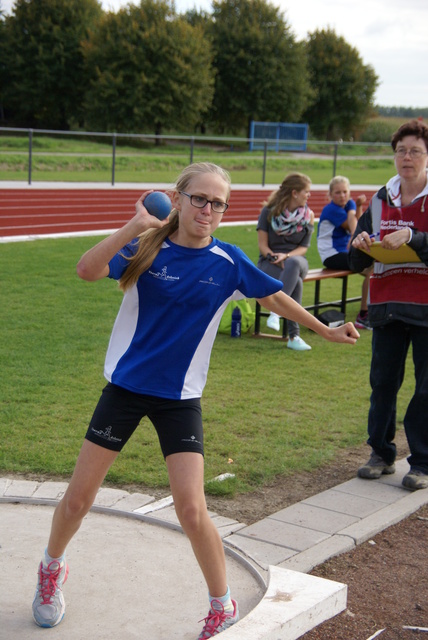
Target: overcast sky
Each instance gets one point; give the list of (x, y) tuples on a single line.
[(390, 35)]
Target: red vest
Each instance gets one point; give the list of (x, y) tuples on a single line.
[(408, 282)]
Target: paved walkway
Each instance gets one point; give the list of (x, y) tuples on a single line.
[(134, 575)]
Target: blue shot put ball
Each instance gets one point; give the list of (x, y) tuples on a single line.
[(158, 204)]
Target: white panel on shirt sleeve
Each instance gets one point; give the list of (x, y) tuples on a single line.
[(123, 331), (220, 252), (325, 240)]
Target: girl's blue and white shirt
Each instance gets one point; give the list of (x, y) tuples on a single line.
[(332, 238), (165, 329)]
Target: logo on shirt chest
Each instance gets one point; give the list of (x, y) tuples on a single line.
[(163, 275), (210, 281)]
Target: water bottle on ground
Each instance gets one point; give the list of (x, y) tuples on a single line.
[(235, 331)]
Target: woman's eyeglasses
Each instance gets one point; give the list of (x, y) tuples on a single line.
[(199, 202), (413, 153)]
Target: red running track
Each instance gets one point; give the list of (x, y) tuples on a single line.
[(47, 211)]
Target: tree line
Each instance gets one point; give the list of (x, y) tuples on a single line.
[(67, 64), (403, 112)]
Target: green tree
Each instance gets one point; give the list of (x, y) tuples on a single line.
[(345, 86), (151, 70), (3, 66), (260, 68), (198, 17), (44, 84)]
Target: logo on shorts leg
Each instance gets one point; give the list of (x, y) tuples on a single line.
[(106, 435), (192, 439)]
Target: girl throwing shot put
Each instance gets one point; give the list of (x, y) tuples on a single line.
[(177, 280)]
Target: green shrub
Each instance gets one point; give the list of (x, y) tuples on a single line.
[(381, 129)]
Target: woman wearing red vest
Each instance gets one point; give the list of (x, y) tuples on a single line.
[(398, 306)]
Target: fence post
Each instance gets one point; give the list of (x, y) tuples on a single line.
[(192, 144), (30, 154), (336, 147), (113, 163), (264, 162)]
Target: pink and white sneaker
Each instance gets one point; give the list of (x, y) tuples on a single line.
[(218, 620), (48, 603)]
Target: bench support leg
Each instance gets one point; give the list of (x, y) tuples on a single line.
[(257, 320), (344, 294), (317, 297)]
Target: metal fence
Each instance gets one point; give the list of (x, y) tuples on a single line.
[(259, 147)]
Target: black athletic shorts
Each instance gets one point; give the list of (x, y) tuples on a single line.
[(178, 422)]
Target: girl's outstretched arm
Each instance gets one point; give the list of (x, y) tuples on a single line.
[(285, 306)]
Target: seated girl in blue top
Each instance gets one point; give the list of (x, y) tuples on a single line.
[(336, 227)]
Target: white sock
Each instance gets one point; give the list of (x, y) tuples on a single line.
[(48, 559), (225, 601)]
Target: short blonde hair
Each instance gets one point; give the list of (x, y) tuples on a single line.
[(337, 180), (150, 241)]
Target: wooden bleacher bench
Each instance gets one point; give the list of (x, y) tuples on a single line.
[(317, 276)]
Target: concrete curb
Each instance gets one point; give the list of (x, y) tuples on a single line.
[(292, 603), (279, 550)]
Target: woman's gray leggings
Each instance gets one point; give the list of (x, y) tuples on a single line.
[(291, 276)]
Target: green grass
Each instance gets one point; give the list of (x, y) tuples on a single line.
[(71, 160), (272, 411)]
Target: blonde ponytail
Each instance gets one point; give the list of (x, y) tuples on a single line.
[(149, 244)]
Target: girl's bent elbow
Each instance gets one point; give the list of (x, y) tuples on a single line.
[(83, 272), (86, 272)]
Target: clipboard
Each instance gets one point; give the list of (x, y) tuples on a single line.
[(392, 256)]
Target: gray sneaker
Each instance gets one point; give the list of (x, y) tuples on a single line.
[(375, 467), (218, 620), (415, 479), (48, 604)]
